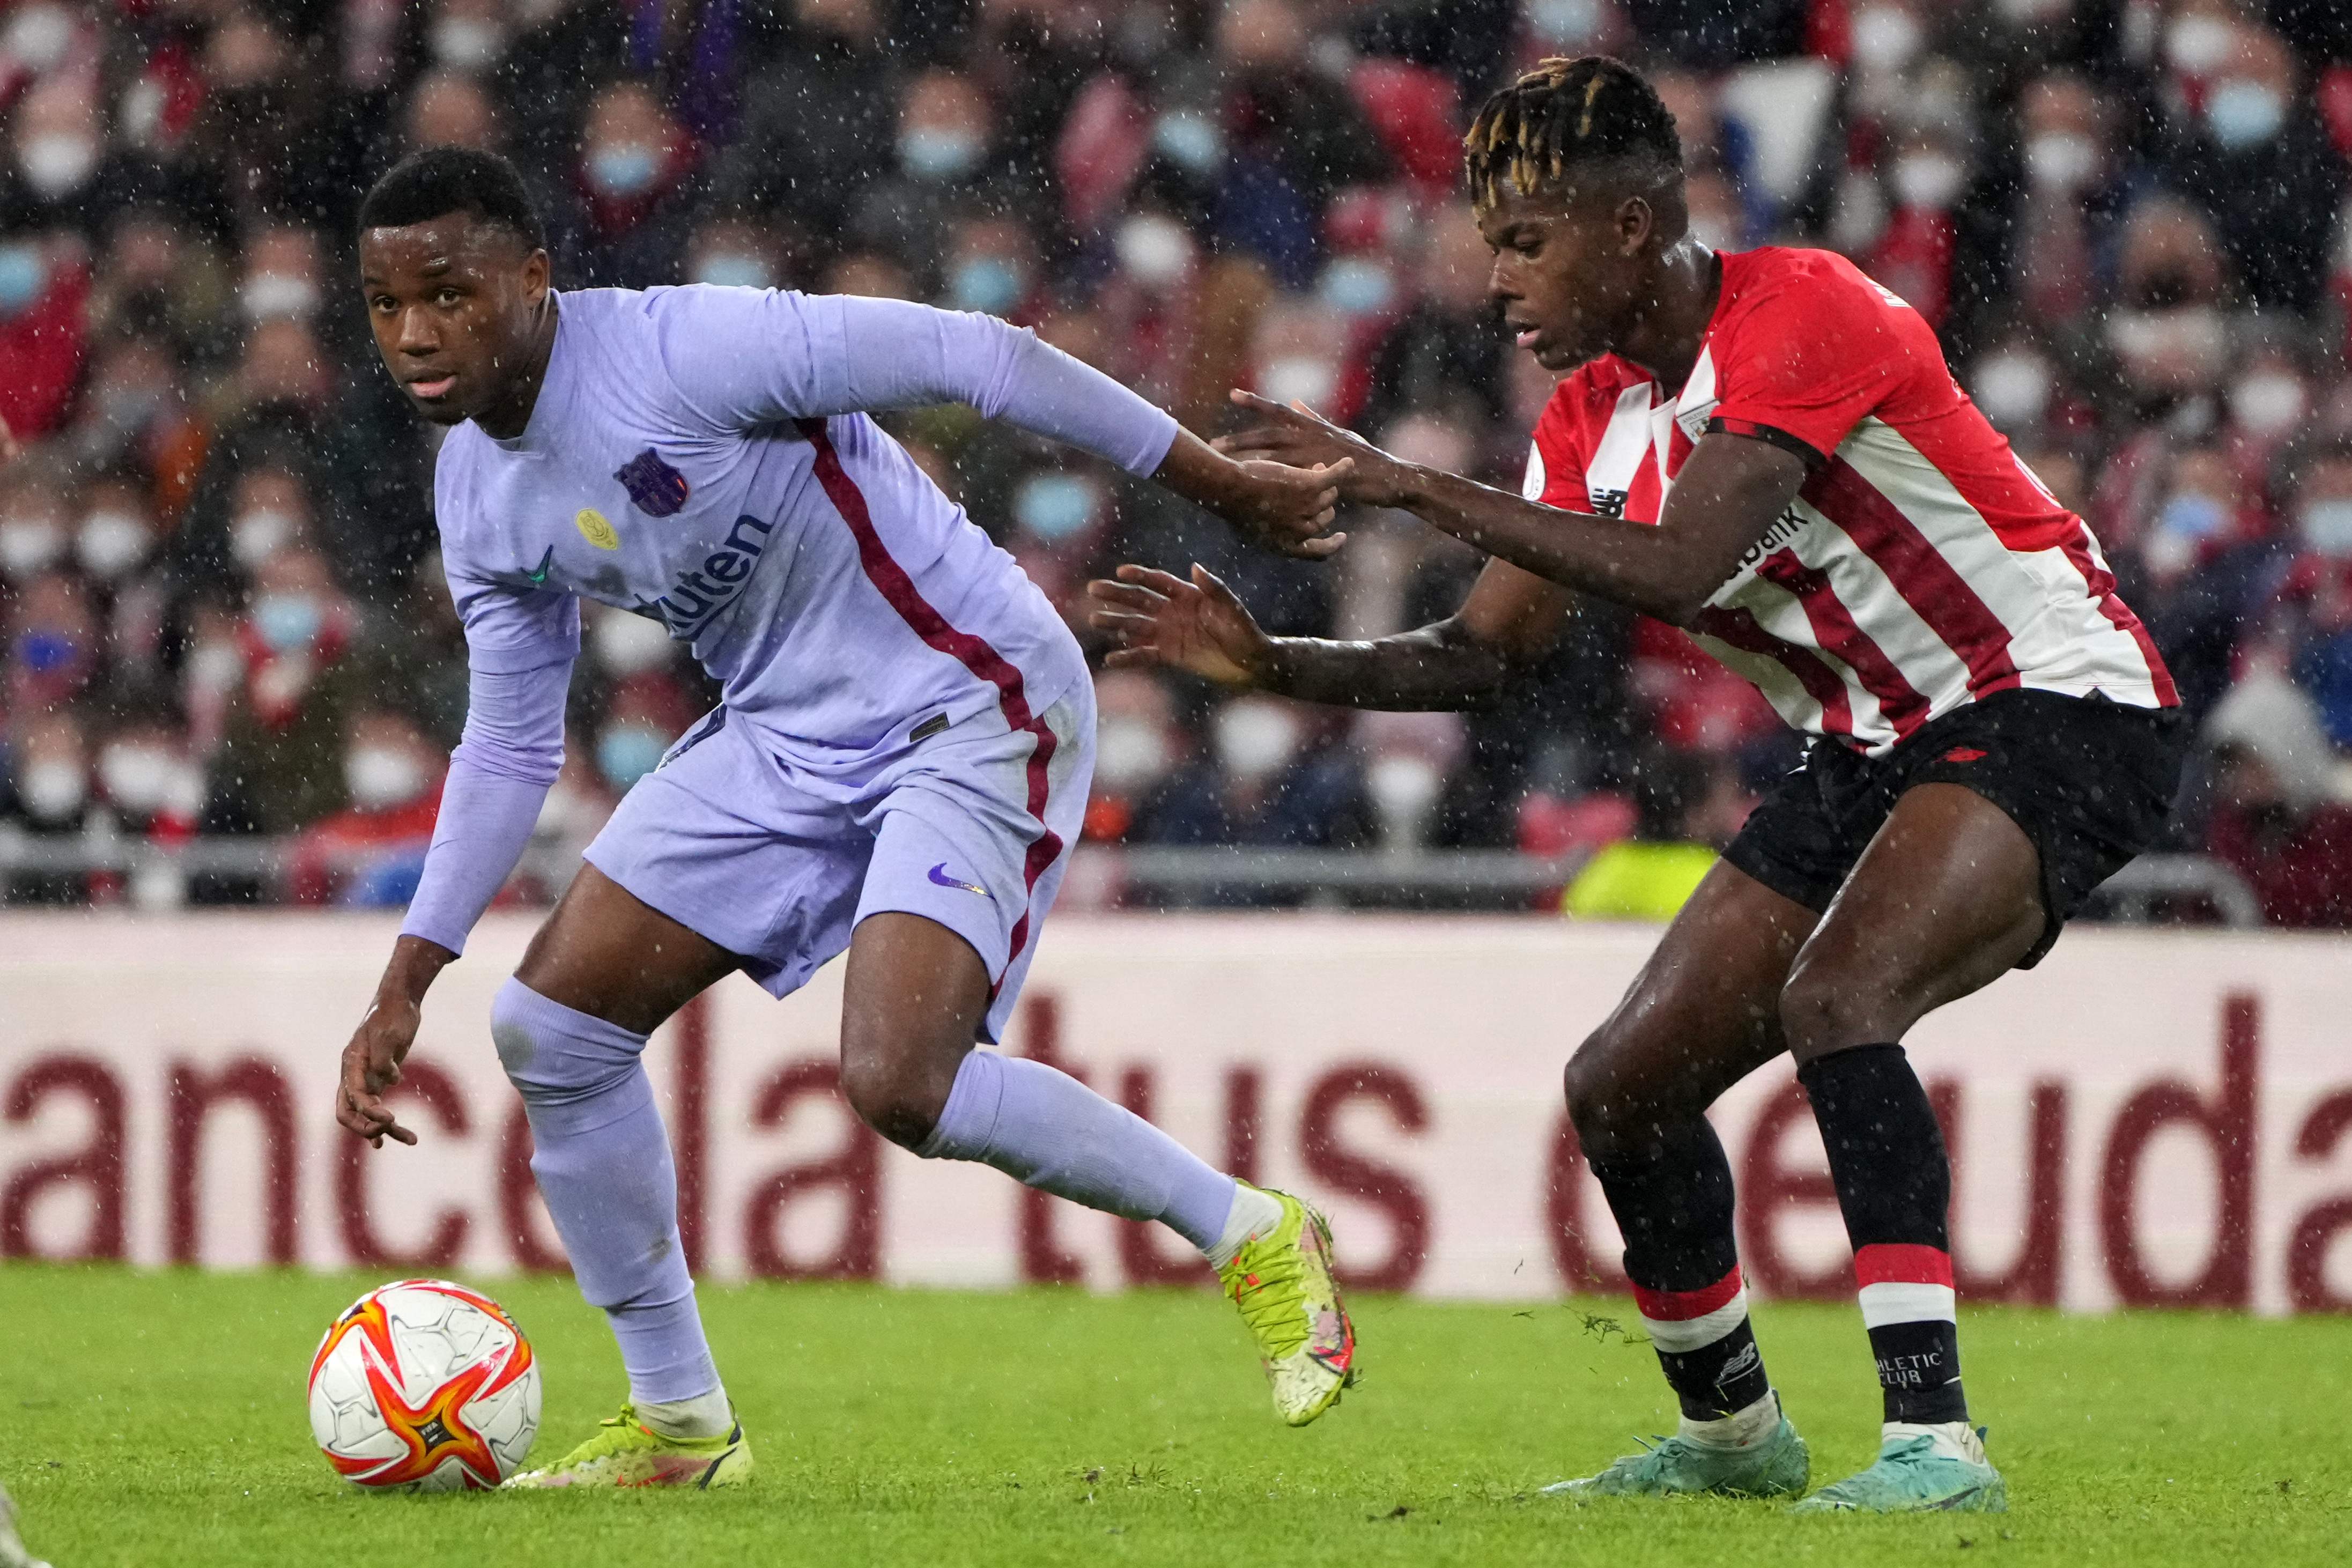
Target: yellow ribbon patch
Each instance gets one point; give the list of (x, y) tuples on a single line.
[(596, 531)]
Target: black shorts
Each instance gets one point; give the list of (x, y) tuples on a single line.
[(2090, 781)]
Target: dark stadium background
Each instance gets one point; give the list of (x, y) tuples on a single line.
[(231, 673)]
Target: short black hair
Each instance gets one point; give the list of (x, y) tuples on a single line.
[(1589, 109), (439, 181)]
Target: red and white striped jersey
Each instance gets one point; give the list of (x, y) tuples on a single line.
[(1922, 566)]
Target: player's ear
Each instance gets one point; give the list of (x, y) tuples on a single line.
[(535, 272), (1637, 222)]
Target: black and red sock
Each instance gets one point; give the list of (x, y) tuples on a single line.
[(1894, 1186), (1672, 1198)]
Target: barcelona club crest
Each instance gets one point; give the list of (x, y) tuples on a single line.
[(656, 487)]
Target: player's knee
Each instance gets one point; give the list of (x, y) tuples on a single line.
[(544, 1063), (1597, 1101), (1826, 1007), (891, 1095)]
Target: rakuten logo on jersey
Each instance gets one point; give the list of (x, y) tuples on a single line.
[(697, 595)]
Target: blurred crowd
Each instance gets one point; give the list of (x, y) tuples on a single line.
[(222, 612)]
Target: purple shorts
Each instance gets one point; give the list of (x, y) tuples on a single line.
[(777, 862)]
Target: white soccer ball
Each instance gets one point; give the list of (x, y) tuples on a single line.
[(426, 1386)]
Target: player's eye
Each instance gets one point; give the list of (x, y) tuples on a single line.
[(445, 298)]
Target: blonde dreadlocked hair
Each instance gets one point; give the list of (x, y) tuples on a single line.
[(1564, 112)]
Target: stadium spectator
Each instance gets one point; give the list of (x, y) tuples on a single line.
[(50, 803), (2274, 820), (369, 854)]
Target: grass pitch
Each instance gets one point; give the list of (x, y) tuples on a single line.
[(154, 1418)]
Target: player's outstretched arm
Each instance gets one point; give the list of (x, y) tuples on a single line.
[(1730, 491), (371, 1061), (1510, 621)]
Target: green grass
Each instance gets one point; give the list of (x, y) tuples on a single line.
[(151, 1419)]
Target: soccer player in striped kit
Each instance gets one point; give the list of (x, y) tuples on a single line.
[(898, 768), (1768, 449)]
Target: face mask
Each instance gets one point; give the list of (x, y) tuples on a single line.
[(935, 152), (1402, 789), (1190, 140), (2061, 161), (378, 777), (28, 547), (623, 170), (1053, 506), (24, 273), (1713, 233), (52, 791), (2326, 527), (2018, 12), (1254, 740), (1355, 286), (1929, 181), (1299, 379), (626, 753), (1884, 39), (988, 284), (286, 622), (2012, 389), (2243, 114), (2267, 403), (631, 644), (1155, 250), (1564, 23), (45, 653), (2195, 45), (275, 296), (2190, 515), (1130, 755), (128, 408), (140, 779), (111, 543), (259, 534), (2192, 340), (467, 44), (57, 164), (731, 270), (38, 37), (215, 667)]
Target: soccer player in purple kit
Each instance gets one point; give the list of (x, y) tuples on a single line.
[(897, 769)]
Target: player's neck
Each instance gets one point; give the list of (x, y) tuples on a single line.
[(1666, 335), (511, 416)]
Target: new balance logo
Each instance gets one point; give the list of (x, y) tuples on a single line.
[(1745, 1361), (1609, 503)]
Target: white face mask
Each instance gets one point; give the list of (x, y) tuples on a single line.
[(1403, 788), (1254, 740), (29, 546), (466, 43), (278, 296), (1929, 181), (142, 780), (259, 534), (1886, 38), (38, 36), (215, 667), (629, 644), (112, 542), (1130, 755), (2326, 527), (2012, 389), (379, 777), (2195, 45), (2062, 160), (2267, 402), (52, 790), (57, 164), (1154, 249), (1299, 379), (1715, 233)]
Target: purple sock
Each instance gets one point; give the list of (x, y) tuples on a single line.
[(1047, 1129), (604, 1166)]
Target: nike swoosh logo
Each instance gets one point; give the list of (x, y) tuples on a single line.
[(539, 578), (939, 875)]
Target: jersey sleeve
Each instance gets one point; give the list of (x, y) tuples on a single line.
[(1557, 456), (745, 357), (1811, 357), (509, 630)]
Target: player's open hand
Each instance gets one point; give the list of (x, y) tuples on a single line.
[(1296, 435), (1159, 618), (371, 1066)]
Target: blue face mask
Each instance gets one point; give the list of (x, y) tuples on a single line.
[(931, 154), (2326, 527), (1190, 139), (24, 273), (987, 283), (2243, 114), (1356, 286), (286, 621), (44, 653), (626, 753), (1053, 506), (626, 170), (734, 271), (2192, 516)]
